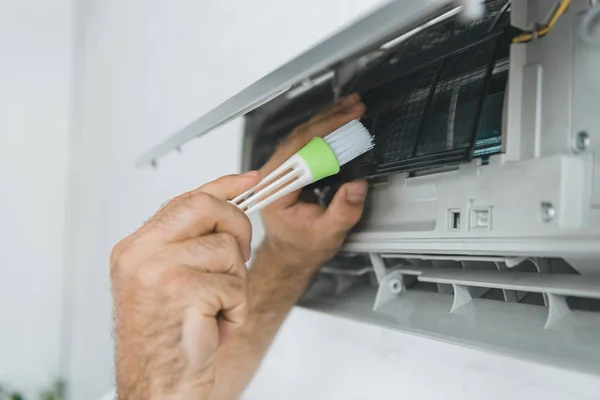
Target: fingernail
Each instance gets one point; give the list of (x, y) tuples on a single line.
[(356, 192), (250, 174)]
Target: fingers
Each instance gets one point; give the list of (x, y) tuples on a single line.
[(228, 187), (320, 125), (286, 201), (216, 253), (227, 296), (338, 106), (226, 329), (323, 125), (346, 208), (199, 213), (223, 278), (343, 105)]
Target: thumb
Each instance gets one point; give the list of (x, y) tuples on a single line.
[(346, 208), (230, 186)]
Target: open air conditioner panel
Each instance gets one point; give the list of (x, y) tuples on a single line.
[(456, 241), (482, 223), (435, 99)]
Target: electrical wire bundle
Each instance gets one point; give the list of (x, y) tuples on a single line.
[(560, 9)]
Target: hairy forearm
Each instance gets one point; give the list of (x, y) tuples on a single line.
[(275, 285)]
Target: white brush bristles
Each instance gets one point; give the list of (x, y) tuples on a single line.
[(350, 141)]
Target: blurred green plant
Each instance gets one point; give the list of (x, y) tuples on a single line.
[(6, 395), (57, 392)]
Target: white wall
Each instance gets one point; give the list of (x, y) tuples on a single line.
[(35, 92), (148, 68)]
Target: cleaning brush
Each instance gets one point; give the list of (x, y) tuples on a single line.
[(320, 158)]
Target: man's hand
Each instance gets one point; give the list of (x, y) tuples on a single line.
[(179, 288), (300, 238), (306, 234)]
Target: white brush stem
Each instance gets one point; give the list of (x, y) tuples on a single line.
[(292, 175)]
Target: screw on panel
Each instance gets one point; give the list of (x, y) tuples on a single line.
[(390, 287), (581, 141), (395, 286), (548, 211)]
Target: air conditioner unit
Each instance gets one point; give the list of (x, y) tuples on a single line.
[(482, 226)]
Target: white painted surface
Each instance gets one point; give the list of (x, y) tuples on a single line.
[(317, 356), (148, 69), (35, 91)]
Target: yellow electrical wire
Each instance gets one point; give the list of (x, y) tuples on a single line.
[(529, 36)]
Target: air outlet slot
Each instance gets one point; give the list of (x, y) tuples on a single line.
[(454, 220)]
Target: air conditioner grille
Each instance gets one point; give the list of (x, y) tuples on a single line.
[(438, 97), (433, 100)]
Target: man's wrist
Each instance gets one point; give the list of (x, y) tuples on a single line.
[(300, 261)]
